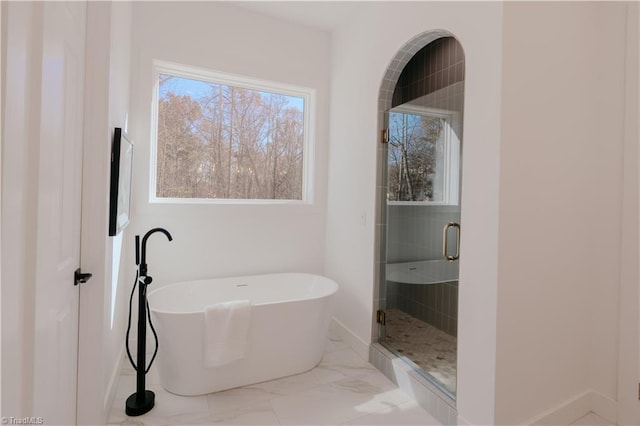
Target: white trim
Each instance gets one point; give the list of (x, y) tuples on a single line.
[(577, 407), (462, 421), (565, 413), (233, 201), (604, 407), (308, 96), (199, 73), (350, 338), (153, 133)]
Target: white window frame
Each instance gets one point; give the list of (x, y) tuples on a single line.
[(451, 185), (202, 74)]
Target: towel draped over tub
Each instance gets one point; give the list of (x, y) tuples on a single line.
[(226, 332)]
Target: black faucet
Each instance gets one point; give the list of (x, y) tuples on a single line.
[(143, 263), (142, 400)]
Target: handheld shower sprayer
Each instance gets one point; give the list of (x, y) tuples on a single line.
[(142, 401), (137, 250)]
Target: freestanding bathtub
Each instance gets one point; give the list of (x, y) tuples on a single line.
[(287, 332)]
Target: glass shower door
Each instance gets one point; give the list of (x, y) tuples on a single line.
[(419, 316)]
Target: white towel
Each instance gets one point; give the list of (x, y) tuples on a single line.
[(226, 331)]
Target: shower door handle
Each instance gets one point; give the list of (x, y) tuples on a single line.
[(445, 241)]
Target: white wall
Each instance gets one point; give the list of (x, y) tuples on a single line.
[(560, 204), (1, 120), (226, 240), (18, 240), (629, 350), (116, 291), (107, 104), (361, 53)]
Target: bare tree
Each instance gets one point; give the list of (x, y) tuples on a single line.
[(178, 117), (413, 142), (230, 143)]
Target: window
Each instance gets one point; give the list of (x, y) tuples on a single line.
[(423, 158), (222, 138)]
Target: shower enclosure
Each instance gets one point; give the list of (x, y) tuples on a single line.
[(418, 314)]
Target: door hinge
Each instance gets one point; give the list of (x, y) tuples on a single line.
[(638, 391), (80, 277), (384, 136), (381, 318)]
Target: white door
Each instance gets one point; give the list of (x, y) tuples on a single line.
[(58, 210)]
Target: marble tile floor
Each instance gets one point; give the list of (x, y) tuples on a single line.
[(342, 390), (433, 350)]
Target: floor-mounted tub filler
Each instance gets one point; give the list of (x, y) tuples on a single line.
[(276, 326), (142, 400)]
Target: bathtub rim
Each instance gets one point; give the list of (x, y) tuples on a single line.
[(330, 293)]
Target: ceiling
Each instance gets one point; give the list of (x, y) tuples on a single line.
[(320, 15)]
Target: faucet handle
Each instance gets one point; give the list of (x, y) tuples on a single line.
[(137, 249)]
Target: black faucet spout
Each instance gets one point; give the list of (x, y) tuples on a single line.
[(143, 262)]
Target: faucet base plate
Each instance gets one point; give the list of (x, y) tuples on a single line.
[(137, 408)]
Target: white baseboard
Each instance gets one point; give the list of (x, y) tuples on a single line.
[(577, 407), (350, 338), (113, 383), (604, 407), (462, 421)]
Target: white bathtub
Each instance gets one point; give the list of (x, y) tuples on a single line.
[(289, 324)]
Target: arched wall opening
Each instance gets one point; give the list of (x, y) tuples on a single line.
[(427, 72), (420, 195)]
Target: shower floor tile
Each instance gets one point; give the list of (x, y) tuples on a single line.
[(433, 350), (342, 390)]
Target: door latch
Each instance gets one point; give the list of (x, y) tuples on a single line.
[(81, 277)]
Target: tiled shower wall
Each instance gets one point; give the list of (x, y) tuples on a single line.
[(415, 231), (434, 77), (435, 304), (437, 65)]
